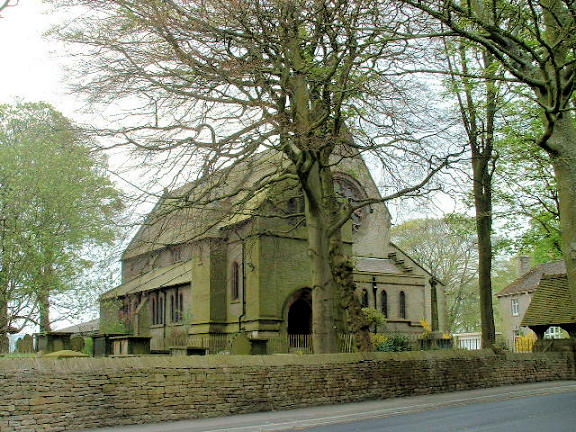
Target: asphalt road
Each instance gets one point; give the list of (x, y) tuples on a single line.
[(549, 413), (541, 407)]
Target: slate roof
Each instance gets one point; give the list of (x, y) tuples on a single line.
[(199, 209), (172, 275), (528, 282), (551, 303), (377, 265), (83, 328)]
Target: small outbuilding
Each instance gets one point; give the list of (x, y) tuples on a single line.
[(551, 305)]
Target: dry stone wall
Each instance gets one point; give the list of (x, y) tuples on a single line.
[(70, 394)]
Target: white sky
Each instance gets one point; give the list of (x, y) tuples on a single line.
[(30, 65)]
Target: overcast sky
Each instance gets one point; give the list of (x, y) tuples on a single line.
[(30, 65)]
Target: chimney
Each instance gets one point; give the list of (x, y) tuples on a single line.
[(523, 265)]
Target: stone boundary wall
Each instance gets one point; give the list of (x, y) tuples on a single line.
[(68, 394)]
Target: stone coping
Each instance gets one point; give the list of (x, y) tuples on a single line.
[(230, 361)]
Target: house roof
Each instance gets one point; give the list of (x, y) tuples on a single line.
[(175, 274), (528, 282), (85, 327), (551, 303)]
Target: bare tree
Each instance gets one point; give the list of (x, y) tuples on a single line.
[(215, 82)]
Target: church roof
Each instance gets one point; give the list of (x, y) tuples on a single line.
[(528, 282), (200, 208), (551, 303), (172, 275), (376, 265)]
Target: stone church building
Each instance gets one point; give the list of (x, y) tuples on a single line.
[(211, 263)]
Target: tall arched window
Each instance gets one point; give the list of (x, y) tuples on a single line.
[(154, 310), (180, 307), (364, 299), (402, 305), (161, 309), (235, 279), (176, 306), (384, 303)]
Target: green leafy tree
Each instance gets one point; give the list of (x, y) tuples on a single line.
[(447, 247), (525, 188), (535, 42), (57, 206)]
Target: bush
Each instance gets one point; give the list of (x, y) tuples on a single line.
[(394, 343), (88, 346)]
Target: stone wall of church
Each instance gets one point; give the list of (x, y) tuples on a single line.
[(57, 395)]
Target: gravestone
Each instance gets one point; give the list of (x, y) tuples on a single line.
[(77, 343), (25, 345)]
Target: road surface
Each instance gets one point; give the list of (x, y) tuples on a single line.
[(541, 407)]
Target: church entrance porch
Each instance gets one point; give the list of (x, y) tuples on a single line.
[(299, 318)]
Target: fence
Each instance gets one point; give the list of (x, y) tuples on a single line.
[(278, 344), (214, 343), (303, 344)]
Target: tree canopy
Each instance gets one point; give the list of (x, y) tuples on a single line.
[(57, 205)]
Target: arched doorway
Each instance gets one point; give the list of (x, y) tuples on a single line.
[(300, 313)]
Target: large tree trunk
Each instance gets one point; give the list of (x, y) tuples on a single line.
[(355, 322), (484, 230), (44, 307), (4, 345), (323, 285), (481, 140), (563, 144)]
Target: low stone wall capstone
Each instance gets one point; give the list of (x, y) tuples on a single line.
[(57, 395)]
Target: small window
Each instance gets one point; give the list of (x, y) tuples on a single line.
[(177, 254), (554, 333), (515, 307), (235, 281), (384, 303), (402, 305), (296, 204), (364, 299)]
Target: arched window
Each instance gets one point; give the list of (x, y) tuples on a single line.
[(161, 309), (364, 299), (154, 310), (347, 188), (158, 312), (402, 305), (384, 303), (180, 308), (176, 306), (235, 281)]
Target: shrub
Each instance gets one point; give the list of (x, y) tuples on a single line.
[(88, 346), (394, 343)]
